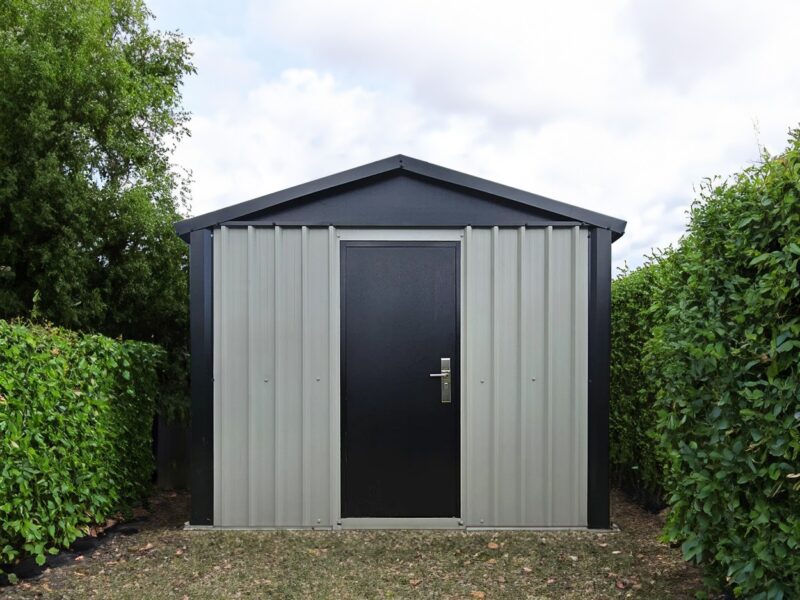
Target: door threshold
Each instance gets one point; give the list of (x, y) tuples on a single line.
[(402, 523)]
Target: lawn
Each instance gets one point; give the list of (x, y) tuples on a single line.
[(163, 561)]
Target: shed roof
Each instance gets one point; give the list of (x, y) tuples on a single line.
[(400, 165)]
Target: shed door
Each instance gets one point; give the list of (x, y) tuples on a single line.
[(400, 438)]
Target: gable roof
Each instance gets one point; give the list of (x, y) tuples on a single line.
[(399, 164)]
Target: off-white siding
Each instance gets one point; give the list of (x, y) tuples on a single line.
[(525, 377), (276, 375)]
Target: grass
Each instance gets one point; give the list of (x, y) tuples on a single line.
[(162, 561)]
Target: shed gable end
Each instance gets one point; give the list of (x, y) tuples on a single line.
[(402, 199)]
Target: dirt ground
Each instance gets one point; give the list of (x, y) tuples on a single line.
[(163, 561)]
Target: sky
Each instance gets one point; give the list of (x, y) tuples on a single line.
[(617, 106)]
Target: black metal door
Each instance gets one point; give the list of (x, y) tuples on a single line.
[(400, 317)]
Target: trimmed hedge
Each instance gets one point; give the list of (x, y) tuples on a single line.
[(721, 360), (637, 464), (727, 361), (76, 417)]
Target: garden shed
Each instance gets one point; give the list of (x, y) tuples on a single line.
[(400, 345)]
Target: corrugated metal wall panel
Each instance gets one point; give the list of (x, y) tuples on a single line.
[(478, 498), (525, 407), (272, 394), (524, 392)]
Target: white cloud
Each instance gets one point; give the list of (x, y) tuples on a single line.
[(616, 106)]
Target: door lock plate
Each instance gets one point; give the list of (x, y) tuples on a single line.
[(446, 380)]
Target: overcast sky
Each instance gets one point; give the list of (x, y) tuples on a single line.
[(618, 106)]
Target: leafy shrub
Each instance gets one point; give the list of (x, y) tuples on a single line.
[(637, 465), (76, 415), (725, 361)]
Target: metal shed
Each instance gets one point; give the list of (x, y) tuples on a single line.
[(400, 345)]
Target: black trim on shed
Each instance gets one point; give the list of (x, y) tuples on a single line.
[(599, 371), (201, 315), (409, 204)]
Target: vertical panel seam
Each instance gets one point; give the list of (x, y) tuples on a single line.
[(334, 422), (304, 388), (574, 463), (523, 376), (583, 382), (224, 392), (466, 458), (275, 429), (549, 375), (495, 380), (250, 353), (220, 281)]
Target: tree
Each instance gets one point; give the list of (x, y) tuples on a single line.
[(90, 112)]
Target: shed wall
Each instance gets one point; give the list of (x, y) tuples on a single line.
[(276, 375)]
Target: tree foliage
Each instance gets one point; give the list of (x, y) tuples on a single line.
[(90, 109), (76, 417)]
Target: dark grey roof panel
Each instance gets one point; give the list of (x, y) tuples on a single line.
[(402, 199), (484, 202)]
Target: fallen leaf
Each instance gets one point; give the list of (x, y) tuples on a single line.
[(573, 558), (616, 552), (527, 569), (551, 580), (620, 585), (415, 582), (492, 545), (79, 558), (477, 594), (178, 552)]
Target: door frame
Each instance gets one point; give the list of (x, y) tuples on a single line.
[(388, 235)]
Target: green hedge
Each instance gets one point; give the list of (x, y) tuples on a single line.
[(721, 364), (637, 464), (76, 416), (727, 361)]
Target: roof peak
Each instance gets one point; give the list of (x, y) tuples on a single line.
[(405, 163)]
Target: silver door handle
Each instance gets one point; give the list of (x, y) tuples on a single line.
[(444, 375)]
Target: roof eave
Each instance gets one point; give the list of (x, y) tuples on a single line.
[(394, 163)]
